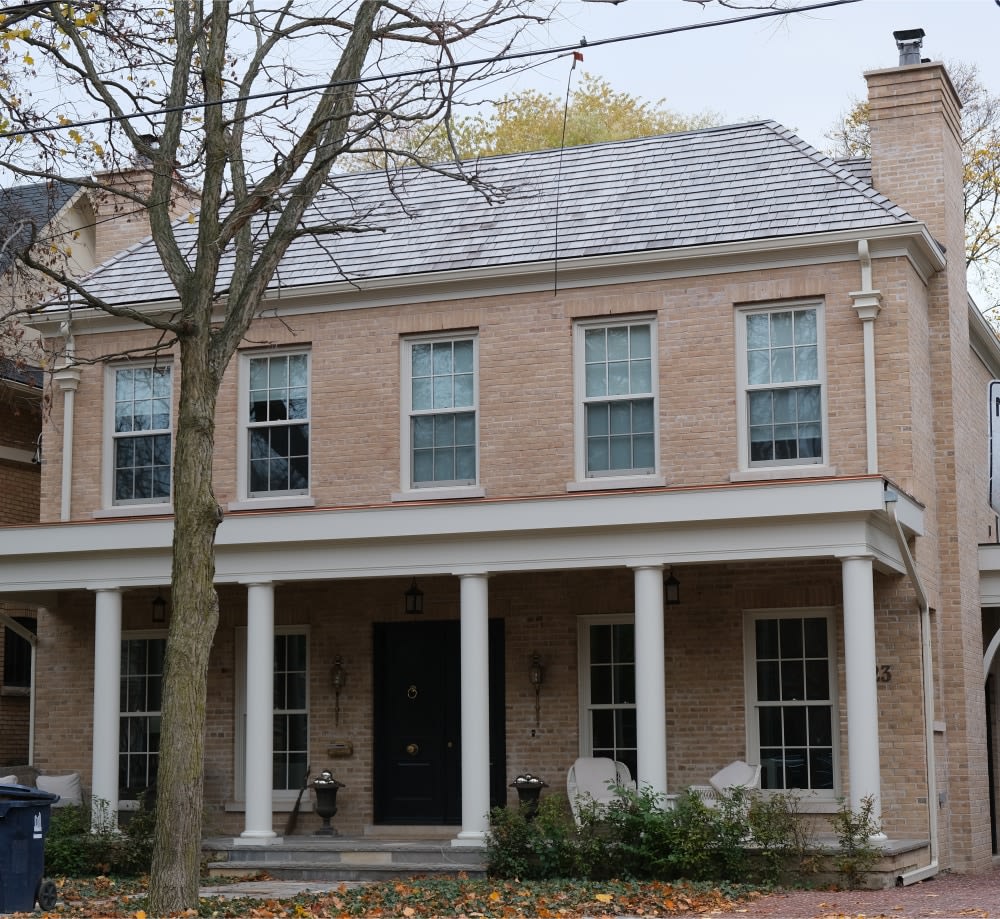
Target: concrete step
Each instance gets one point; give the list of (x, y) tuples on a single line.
[(341, 859)]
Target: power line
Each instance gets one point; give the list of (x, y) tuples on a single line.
[(426, 71)]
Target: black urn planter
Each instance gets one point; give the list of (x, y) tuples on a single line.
[(529, 788), (326, 802)]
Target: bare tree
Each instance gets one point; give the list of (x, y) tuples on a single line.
[(215, 94)]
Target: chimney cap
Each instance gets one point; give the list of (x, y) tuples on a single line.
[(909, 41)]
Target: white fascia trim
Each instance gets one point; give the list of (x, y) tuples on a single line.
[(983, 340), (912, 241), (15, 455), (821, 518)]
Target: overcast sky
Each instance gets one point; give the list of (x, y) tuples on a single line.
[(802, 70)]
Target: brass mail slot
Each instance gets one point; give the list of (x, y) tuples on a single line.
[(341, 748)]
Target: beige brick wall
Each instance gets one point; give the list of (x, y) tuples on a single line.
[(526, 385)]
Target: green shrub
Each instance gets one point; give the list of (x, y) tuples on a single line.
[(856, 853), (74, 849)]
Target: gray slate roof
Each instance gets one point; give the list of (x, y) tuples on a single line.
[(36, 203), (728, 184)]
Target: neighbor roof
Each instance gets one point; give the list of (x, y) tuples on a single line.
[(37, 204), (728, 184)]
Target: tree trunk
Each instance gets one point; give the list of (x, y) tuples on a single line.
[(193, 621)]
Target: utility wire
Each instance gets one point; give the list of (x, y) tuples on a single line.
[(425, 71)]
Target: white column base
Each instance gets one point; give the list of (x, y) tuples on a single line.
[(258, 838), (469, 839)]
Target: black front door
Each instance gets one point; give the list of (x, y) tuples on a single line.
[(417, 670)]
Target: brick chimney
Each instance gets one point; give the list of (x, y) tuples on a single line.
[(916, 146)]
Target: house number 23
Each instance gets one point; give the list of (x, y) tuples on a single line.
[(883, 673)]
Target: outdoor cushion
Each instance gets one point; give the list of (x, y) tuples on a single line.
[(66, 786), (8, 780)]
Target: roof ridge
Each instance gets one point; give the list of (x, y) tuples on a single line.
[(835, 168)]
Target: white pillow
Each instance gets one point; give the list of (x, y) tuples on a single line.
[(66, 786), (8, 780)]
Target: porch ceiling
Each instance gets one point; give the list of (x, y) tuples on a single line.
[(829, 518)]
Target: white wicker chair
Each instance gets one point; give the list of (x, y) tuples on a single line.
[(737, 774), (597, 779)]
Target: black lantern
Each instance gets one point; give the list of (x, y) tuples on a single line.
[(671, 589), (414, 599)]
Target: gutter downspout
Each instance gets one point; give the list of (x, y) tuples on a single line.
[(927, 674), (68, 378), (867, 303)]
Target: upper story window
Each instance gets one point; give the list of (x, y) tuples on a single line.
[(276, 419), (141, 438), (782, 406), (616, 414), (440, 435)]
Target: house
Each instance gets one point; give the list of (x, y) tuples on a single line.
[(460, 460), (80, 227)]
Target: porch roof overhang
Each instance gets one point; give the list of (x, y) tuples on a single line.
[(814, 518)]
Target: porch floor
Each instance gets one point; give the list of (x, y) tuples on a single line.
[(389, 853)]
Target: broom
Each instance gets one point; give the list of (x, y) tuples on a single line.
[(293, 817)]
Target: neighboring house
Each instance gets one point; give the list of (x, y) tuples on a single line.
[(749, 372), (78, 228)]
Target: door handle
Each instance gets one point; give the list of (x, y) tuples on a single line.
[(412, 749)]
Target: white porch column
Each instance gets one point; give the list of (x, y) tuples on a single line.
[(475, 710), (107, 686), (862, 690), (258, 825), (650, 696)]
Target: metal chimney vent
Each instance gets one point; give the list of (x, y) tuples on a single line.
[(909, 42)]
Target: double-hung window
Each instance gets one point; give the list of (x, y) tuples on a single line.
[(792, 711), (140, 702), (276, 418), (440, 412), (607, 688), (782, 409), (141, 437), (616, 419)]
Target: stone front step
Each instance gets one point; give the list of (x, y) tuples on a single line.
[(342, 859)]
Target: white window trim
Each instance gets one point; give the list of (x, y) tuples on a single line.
[(583, 624), (136, 507), (279, 797), (134, 635), (614, 478), (246, 501), (408, 491), (779, 468), (815, 800)]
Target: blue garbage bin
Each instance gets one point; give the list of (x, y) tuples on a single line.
[(24, 820)]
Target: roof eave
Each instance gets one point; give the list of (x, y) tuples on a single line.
[(910, 240)]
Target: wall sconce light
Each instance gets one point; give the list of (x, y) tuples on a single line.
[(159, 610), (671, 589), (536, 675), (414, 599), (338, 678)]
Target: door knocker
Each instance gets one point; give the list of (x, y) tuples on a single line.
[(411, 693)]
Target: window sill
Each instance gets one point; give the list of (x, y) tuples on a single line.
[(23, 691), (614, 482), (438, 494), (265, 504), (773, 473), (135, 510)]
